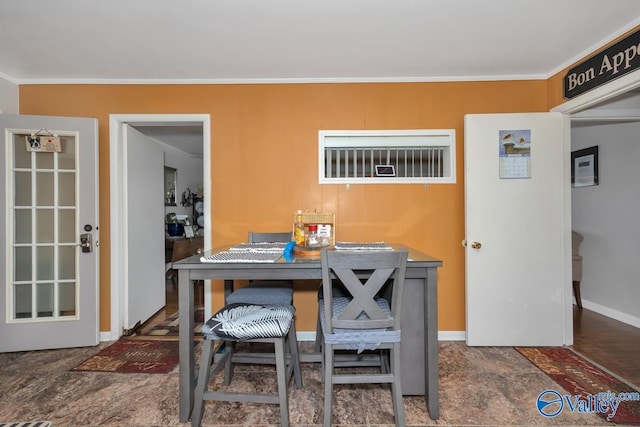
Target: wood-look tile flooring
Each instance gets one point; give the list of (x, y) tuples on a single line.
[(478, 386), (609, 343)]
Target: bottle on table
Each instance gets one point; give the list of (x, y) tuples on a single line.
[(299, 235), (312, 236)]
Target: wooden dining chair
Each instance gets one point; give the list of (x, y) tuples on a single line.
[(277, 292), (248, 323), (184, 248), (260, 292), (362, 319)]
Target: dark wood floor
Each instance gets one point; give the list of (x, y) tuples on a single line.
[(170, 307), (609, 343)]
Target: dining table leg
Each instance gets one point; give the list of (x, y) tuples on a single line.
[(228, 288), (186, 345), (431, 343)]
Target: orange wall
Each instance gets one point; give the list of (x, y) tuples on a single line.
[(264, 161)]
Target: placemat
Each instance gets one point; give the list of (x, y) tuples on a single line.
[(362, 246), (242, 256), (259, 247)]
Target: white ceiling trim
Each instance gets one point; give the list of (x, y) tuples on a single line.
[(283, 80), (432, 79), (595, 47), (316, 41), (9, 78)]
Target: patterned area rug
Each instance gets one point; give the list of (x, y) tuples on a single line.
[(170, 327), (581, 378), (27, 424), (134, 356)]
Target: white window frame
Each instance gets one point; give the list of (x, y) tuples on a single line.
[(408, 138)]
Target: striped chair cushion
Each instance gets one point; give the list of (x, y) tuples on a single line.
[(357, 339), (263, 293), (240, 322)]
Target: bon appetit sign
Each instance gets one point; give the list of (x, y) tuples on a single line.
[(616, 61)]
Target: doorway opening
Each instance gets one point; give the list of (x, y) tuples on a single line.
[(120, 256), (602, 334)]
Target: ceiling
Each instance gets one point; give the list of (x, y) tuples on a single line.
[(184, 136), (302, 40), (251, 41)]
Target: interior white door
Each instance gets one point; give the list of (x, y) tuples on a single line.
[(145, 227), (48, 203), (518, 255)]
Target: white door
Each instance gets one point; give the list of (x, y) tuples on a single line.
[(48, 202), (518, 227), (145, 227)]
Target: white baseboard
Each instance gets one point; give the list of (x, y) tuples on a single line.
[(452, 335), (442, 335), (302, 336), (311, 335), (614, 314), (457, 335), (108, 336), (306, 335)]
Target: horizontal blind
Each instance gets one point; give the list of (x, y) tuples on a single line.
[(409, 162), (412, 156)]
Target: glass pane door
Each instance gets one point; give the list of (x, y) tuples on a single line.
[(43, 194)]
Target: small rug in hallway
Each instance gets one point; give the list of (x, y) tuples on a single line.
[(134, 356), (170, 327), (579, 377)]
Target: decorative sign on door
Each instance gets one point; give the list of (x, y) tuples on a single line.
[(43, 144), (515, 153)]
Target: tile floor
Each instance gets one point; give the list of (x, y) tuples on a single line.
[(478, 386)]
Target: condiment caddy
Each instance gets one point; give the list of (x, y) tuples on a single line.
[(313, 231)]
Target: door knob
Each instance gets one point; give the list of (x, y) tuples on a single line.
[(86, 242), (476, 245)]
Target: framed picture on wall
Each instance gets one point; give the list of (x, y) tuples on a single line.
[(584, 167)]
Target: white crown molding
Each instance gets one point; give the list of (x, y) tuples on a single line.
[(435, 79), (8, 78), (595, 47)]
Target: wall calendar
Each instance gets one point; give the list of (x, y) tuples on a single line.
[(515, 153)]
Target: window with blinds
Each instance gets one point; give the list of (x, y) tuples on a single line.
[(389, 156)]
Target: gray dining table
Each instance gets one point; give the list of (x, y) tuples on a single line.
[(419, 315)]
